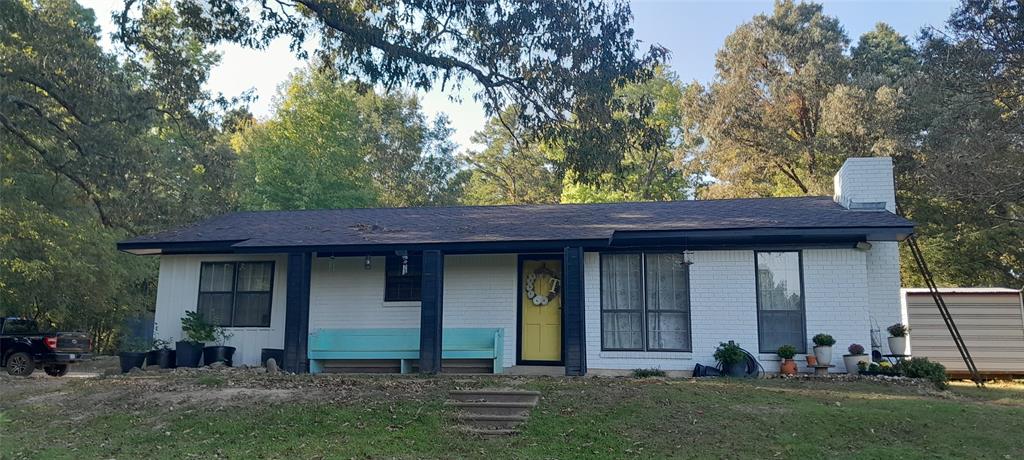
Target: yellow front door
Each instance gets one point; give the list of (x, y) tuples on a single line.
[(540, 288)]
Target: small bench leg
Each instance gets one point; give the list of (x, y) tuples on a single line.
[(406, 366), (315, 367)]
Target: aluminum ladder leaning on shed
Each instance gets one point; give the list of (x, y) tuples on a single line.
[(933, 289)]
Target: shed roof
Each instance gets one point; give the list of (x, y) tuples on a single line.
[(468, 225)]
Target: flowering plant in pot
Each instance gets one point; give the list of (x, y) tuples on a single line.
[(900, 334), (132, 352), (823, 348), (161, 354), (219, 352), (788, 366), (856, 356), (189, 352), (733, 359)]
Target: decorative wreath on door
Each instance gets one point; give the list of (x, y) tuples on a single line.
[(542, 298)]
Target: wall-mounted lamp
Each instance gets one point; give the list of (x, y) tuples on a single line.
[(687, 258), (864, 246)]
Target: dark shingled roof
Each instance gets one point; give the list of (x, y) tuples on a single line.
[(495, 224)]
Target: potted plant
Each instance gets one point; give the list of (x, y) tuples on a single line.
[(788, 366), (855, 357), (219, 352), (733, 359), (189, 352), (132, 352), (899, 333), (811, 360), (823, 349), (161, 355)]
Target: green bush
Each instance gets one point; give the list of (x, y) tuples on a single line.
[(730, 353), (787, 352), (824, 340), (922, 368), (644, 373), (898, 330), (132, 344), (196, 329)]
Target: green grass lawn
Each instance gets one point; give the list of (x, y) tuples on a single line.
[(345, 417)]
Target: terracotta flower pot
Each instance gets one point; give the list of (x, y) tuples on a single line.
[(788, 366), (811, 361)]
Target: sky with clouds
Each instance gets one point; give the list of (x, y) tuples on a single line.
[(691, 30)]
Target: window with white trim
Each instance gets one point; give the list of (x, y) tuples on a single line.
[(236, 294), (645, 302)]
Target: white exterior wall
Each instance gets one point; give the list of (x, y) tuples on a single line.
[(723, 307), (479, 291), (178, 292)]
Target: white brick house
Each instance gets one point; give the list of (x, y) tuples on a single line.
[(602, 288)]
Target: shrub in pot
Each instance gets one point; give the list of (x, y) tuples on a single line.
[(733, 359), (855, 357), (161, 355), (219, 352), (132, 352), (788, 366), (823, 348), (900, 334), (189, 352)]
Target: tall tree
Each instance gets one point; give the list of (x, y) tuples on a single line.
[(512, 168), (653, 164), (762, 116), (552, 58), (966, 180), (93, 149), (336, 144)]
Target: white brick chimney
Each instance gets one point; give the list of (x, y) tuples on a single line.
[(865, 183)]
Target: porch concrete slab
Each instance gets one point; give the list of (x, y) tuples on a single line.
[(548, 371)]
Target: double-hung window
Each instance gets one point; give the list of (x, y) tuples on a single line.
[(780, 301), (645, 302), (236, 294)]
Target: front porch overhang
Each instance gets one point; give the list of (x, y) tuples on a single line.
[(844, 237)]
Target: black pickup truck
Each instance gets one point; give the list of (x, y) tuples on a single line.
[(23, 348)]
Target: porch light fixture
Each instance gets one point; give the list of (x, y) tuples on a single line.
[(366, 263), (864, 246), (687, 258), (405, 261)]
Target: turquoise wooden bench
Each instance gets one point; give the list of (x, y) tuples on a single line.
[(403, 344)]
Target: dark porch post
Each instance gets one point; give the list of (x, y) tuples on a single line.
[(572, 302), (431, 312), (296, 318)]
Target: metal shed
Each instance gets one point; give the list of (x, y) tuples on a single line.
[(991, 321)]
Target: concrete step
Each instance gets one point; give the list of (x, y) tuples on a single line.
[(491, 422), (493, 408), (531, 397), (485, 433)]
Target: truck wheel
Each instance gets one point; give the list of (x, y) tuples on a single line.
[(20, 364), (56, 370)]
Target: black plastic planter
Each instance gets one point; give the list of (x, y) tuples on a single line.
[(276, 353), (163, 358), (736, 369), (130, 359), (188, 354), (218, 354)]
